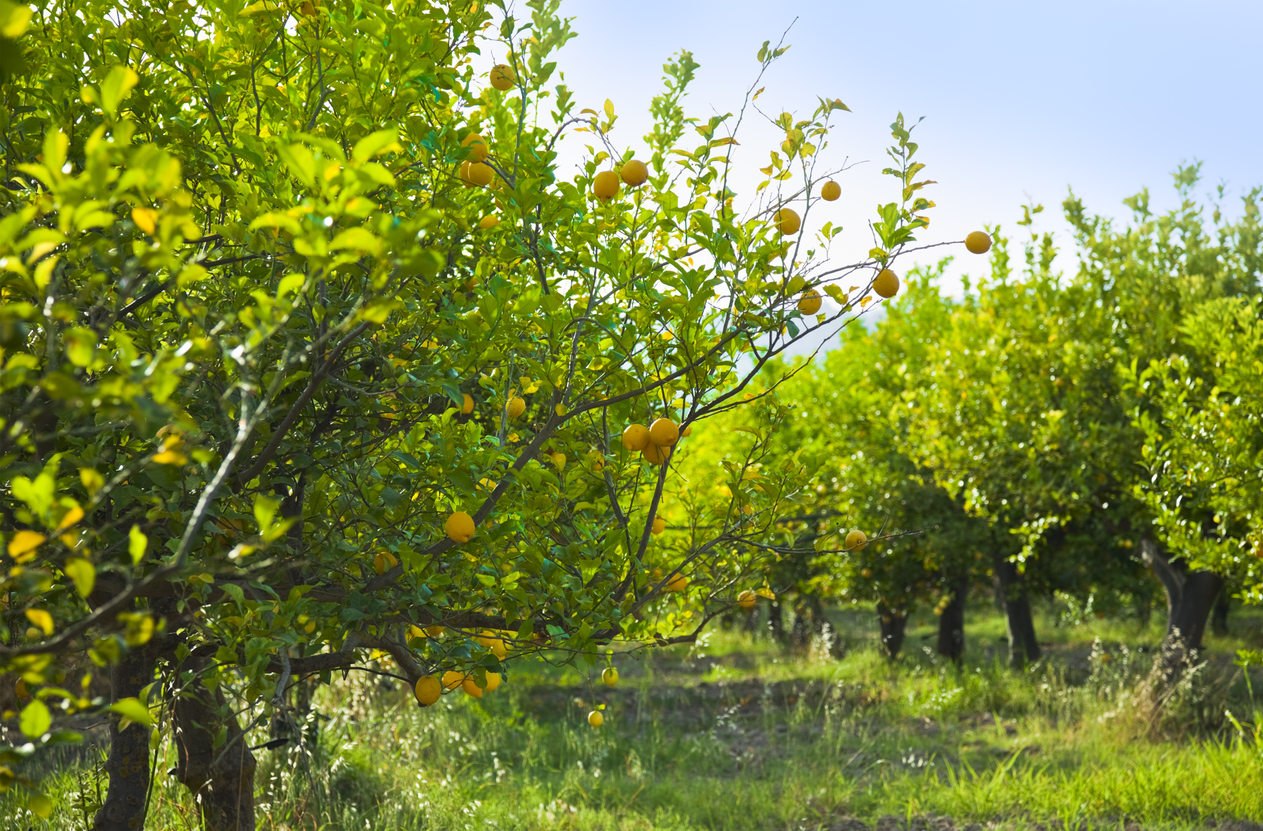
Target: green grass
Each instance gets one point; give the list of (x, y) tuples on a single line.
[(738, 734)]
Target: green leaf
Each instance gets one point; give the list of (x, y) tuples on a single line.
[(375, 144), (35, 719), (116, 87), (300, 162), (379, 310), (80, 346), (265, 508), (131, 710), (137, 542), (83, 573)]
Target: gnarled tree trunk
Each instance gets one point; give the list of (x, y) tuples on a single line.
[(1190, 598), (1023, 647), (128, 763), (951, 624), (221, 777), (1219, 617), (893, 623)]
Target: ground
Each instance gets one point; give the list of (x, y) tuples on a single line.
[(739, 733)]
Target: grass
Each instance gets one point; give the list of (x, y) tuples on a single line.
[(738, 734)]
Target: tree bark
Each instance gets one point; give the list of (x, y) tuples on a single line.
[(951, 624), (221, 777), (128, 763), (1190, 597), (1219, 617), (893, 624), (1023, 647)]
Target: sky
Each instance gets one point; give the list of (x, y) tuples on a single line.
[(1022, 100)]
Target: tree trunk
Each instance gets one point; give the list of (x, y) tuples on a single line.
[(1219, 617), (951, 624), (892, 623), (1190, 598), (128, 763), (221, 777), (1023, 647)]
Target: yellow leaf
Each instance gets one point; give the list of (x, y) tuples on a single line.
[(22, 546), (72, 516), (171, 457), (146, 219), (41, 619)]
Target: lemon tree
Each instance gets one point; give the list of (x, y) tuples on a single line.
[(316, 358)]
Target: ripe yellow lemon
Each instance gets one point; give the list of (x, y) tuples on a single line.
[(493, 681), (886, 283), (516, 407), (605, 185), (480, 174), (654, 454), (452, 679), (677, 583), (459, 527), (488, 222), (470, 686), (476, 147), (663, 432), (595, 718), (609, 676), (384, 561), (636, 437), (747, 599), (686, 431), (467, 404), (463, 172), (503, 77), (787, 221), (659, 525), (427, 690), (830, 191), (977, 242), (809, 303), (856, 540), (493, 642), (434, 631), (634, 173)]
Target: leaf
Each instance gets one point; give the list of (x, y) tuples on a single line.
[(137, 542), (42, 619), (131, 710), (299, 161), (83, 573), (724, 142), (35, 719), (277, 219), (80, 345), (41, 806), (290, 283), (22, 546), (91, 479), (379, 310), (14, 18), (146, 219), (609, 109), (116, 87), (358, 238), (69, 519), (265, 508), (375, 144)]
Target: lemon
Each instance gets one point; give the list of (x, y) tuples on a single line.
[(609, 676), (886, 283), (493, 681), (434, 631), (479, 174), (659, 525), (476, 147), (634, 173), (787, 221), (977, 242), (503, 77), (747, 599), (459, 527), (470, 686), (452, 679), (488, 222), (427, 690), (636, 437), (677, 583), (384, 561), (494, 643), (516, 407), (830, 191), (467, 404), (809, 303), (605, 185), (663, 432), (856, 540), (595, 718), (686, 431), (654, 454)]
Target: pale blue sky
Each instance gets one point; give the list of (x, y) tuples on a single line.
[(1021, 99)]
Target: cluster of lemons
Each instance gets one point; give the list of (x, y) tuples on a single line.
[(655, 441), (429, 688)]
